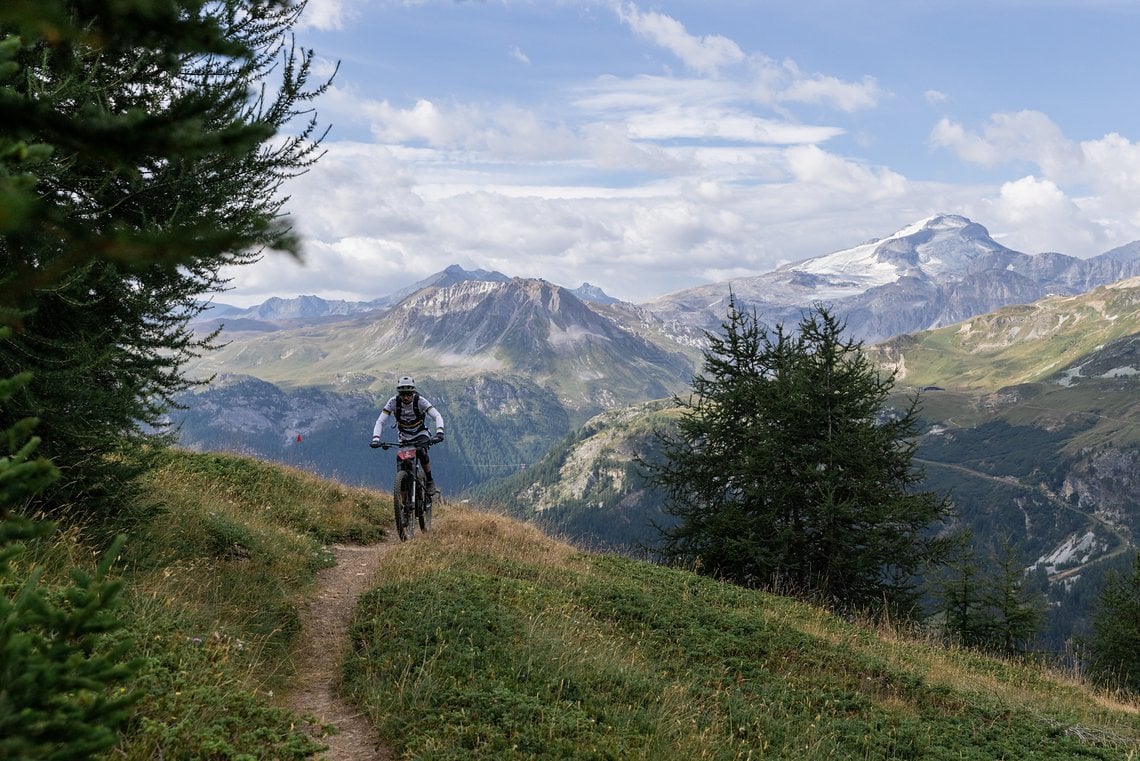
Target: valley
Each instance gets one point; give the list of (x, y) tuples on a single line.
[(1027, 366)]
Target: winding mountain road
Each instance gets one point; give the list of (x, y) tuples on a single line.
[(1125, 540)]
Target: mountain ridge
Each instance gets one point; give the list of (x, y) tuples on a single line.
[(1029, 418), (1021, 343), (596, 355), (934, 272)]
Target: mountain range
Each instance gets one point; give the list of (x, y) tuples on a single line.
[(518, 344), (283, 310), (1030, 423), (935, 272)]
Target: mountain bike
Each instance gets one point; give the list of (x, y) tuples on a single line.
[(410, 496)]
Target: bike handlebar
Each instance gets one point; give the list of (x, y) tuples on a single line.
[(424, 444)]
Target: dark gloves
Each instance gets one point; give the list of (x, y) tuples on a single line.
[(375, 442), (438, 437)]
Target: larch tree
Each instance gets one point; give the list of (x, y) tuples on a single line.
[(787, 469), (144, 157), (137, 157), (992, 606), (1114, 646)]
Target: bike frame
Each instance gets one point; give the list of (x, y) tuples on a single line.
[(406, 459), (410, 479)]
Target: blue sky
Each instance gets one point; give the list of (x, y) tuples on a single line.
[(646, 147)]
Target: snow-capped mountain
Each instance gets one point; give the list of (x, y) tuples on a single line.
[(934, 272), (944, 246)]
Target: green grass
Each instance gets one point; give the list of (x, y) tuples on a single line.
[(217, 570), (488, 640), (215, 584)]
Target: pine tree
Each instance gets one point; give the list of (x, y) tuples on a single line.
[(65, 681), (962, 604), (787, 469), (145, 138), (991, 608), (1017, 611), (1114, 647), (63, 691), (134, 164)]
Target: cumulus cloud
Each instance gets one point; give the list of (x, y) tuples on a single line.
[(1019, 136), (1112, 164), (811, 165), (423, 122), (1043, 218), (1083, 193)]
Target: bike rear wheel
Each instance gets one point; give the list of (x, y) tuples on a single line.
[(402, 505)]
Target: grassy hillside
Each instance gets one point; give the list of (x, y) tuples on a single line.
[(219, 561), (1016, 344), (487, 639)]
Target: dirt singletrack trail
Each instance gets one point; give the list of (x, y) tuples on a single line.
[(324, 637)]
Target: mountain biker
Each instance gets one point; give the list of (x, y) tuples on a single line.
[(409, 410)]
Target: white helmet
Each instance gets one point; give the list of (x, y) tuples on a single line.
[(406, 383)]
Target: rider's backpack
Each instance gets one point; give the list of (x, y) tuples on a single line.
[(417, 422)]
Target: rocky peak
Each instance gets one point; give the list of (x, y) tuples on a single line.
[(592, 293)]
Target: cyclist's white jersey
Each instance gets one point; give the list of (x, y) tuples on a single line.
[(412, 417)]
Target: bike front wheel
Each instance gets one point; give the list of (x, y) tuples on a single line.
[(424, 515), (402, 504)]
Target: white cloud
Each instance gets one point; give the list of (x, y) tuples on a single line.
[(714, 124), (1085, 196), (776, 83), (646, 182), (1043, 218), (612, 97), (1112, 165), (846, 96), (810, 165), (327, 14), (1020, 136), (1030, 198), (423, 122), (706, 55)]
